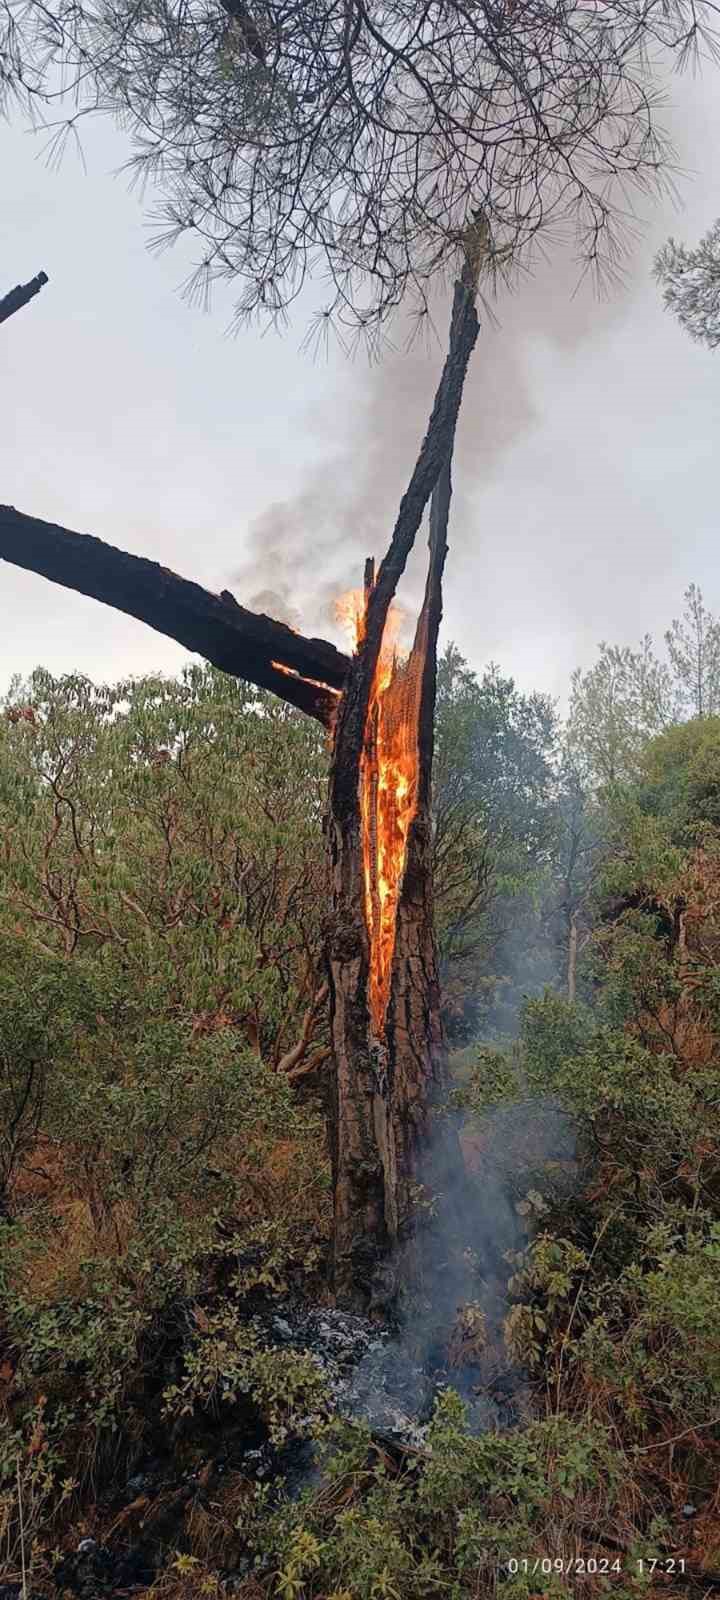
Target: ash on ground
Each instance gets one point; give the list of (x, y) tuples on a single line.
[(374, 1377), (389, 1379)]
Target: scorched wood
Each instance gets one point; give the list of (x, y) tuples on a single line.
[(308, 673)]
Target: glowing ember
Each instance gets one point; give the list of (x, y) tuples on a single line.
[(388, 791), (317, 683)]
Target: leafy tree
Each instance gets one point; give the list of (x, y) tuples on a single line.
[(159, 995), (174, 825), (583, 839), (680, 778), (615, 706), (693, 644), (690, 281), (629, 696)]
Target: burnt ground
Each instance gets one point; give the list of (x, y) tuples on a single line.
[(374, 1374)]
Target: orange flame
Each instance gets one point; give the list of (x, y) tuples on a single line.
[(388, 791), (350, 615), (291, 672)]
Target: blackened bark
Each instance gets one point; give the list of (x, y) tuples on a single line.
[(425, 1150), (20, 295), (242, 643), (435, 450), (428, 1160), (386, 1090)]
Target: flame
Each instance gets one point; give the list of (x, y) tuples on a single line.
[(350, 612), (317, 683), (350, 615), (388, 790)]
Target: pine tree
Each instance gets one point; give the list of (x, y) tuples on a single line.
[(690, 281)]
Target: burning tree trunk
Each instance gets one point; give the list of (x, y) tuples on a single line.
[(385, 1004), (382, 969)]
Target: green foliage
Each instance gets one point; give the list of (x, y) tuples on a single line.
[(33, 1493), (616, 706), (161, 896), (159, 939), (680, 777), (495, 830), (444, 1529), (173, 826), (226, 1359)]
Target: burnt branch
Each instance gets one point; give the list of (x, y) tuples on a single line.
[(307, 673), (20, 295)]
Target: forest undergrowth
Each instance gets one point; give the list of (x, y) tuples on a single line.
[(163, 1166)]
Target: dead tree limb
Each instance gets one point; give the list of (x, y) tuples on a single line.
[(19, 296), (307, 673)]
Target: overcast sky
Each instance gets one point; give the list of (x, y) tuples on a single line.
[(587, 465)]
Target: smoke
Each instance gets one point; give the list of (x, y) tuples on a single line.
[(452, 1334), (302, 552)]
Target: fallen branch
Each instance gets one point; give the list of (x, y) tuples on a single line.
[(307, 673), (19, 296)]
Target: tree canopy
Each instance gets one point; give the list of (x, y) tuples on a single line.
[(362, 138)]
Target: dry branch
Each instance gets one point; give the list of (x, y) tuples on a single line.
[(292, 1058), (243, 643), (19, 296)]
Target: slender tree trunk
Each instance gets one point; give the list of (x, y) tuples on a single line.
[(387, 1087)]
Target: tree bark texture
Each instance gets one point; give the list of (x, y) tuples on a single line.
[(572, 958), (384, 1150)]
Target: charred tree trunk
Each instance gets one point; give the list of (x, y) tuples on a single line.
[(387, 1038), (390, 1074)]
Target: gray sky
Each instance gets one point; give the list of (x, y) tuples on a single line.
[(586, 471)]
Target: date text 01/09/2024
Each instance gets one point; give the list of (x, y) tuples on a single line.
[(589, 1566)]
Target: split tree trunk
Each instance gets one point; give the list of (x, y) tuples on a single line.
[(385, 1140), (385, 1136)]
